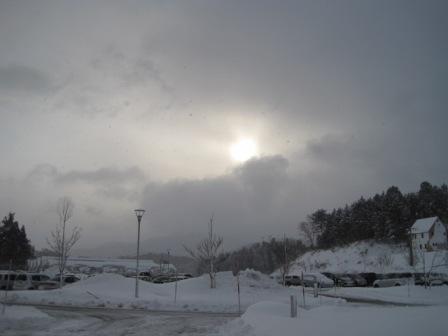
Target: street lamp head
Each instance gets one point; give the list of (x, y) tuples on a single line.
[(139, 213)]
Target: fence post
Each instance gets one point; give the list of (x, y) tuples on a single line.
[(7, 287), (303, 292), (175, 291), (293, 300), (239, 293)]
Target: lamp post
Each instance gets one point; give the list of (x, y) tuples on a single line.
[(139, 213), (168, 270)]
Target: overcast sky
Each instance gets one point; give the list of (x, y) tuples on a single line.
[(127, 104)]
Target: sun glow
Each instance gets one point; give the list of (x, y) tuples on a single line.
[(243, 150)]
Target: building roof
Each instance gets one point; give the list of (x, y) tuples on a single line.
[(423, 224)]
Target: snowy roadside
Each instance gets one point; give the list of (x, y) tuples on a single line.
[(403, 295)]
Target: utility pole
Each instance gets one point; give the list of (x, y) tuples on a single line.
[(285, 266), (139, 213)]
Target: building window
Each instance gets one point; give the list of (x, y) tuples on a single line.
[(420, 246), (423, 235)]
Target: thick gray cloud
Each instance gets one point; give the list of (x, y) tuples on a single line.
[(109, 182), (245, 203), (343, 99), (24, 79), (103, 176)]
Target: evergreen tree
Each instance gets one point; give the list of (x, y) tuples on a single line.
[(385, 217), (14, 244)]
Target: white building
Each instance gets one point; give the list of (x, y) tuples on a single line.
[(429, 234)]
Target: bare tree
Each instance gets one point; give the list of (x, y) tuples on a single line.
[(207, 251), (61, 242), (309, 232), (385, 261), (428, 261)]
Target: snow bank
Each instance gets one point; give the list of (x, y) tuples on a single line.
[(116, 291), (255, 279)]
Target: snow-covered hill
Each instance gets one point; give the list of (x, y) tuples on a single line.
[(364, 256)]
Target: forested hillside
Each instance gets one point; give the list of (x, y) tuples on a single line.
[(384, 217), (265, 257)]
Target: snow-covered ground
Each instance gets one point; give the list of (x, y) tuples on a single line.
[(272, 318), (367, 256)]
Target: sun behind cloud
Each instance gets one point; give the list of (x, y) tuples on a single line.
[(243, 150)]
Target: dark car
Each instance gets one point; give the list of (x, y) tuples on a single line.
[(358, 279), (66, 279), (344, 280), (292, 280), (331, 276), (370, 277), (162, 279)]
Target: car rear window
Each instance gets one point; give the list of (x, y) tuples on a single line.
[(21, 277)]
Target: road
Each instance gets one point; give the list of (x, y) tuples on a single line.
[(115, 322)]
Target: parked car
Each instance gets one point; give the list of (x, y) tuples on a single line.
[(358, 279), (146, 276), (330, 275), (26, 281), (370, 277), (66, 279), (293, 280), (162, 279), (392, 279), (344, 280), (186, 275), (433, 279), (309, 279), (7, 279)]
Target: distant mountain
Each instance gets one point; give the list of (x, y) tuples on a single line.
[(183, 264), (154, 245)]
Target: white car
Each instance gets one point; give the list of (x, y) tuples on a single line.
[(392, 281), (309, 279), (26, 281), (7, 279)]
